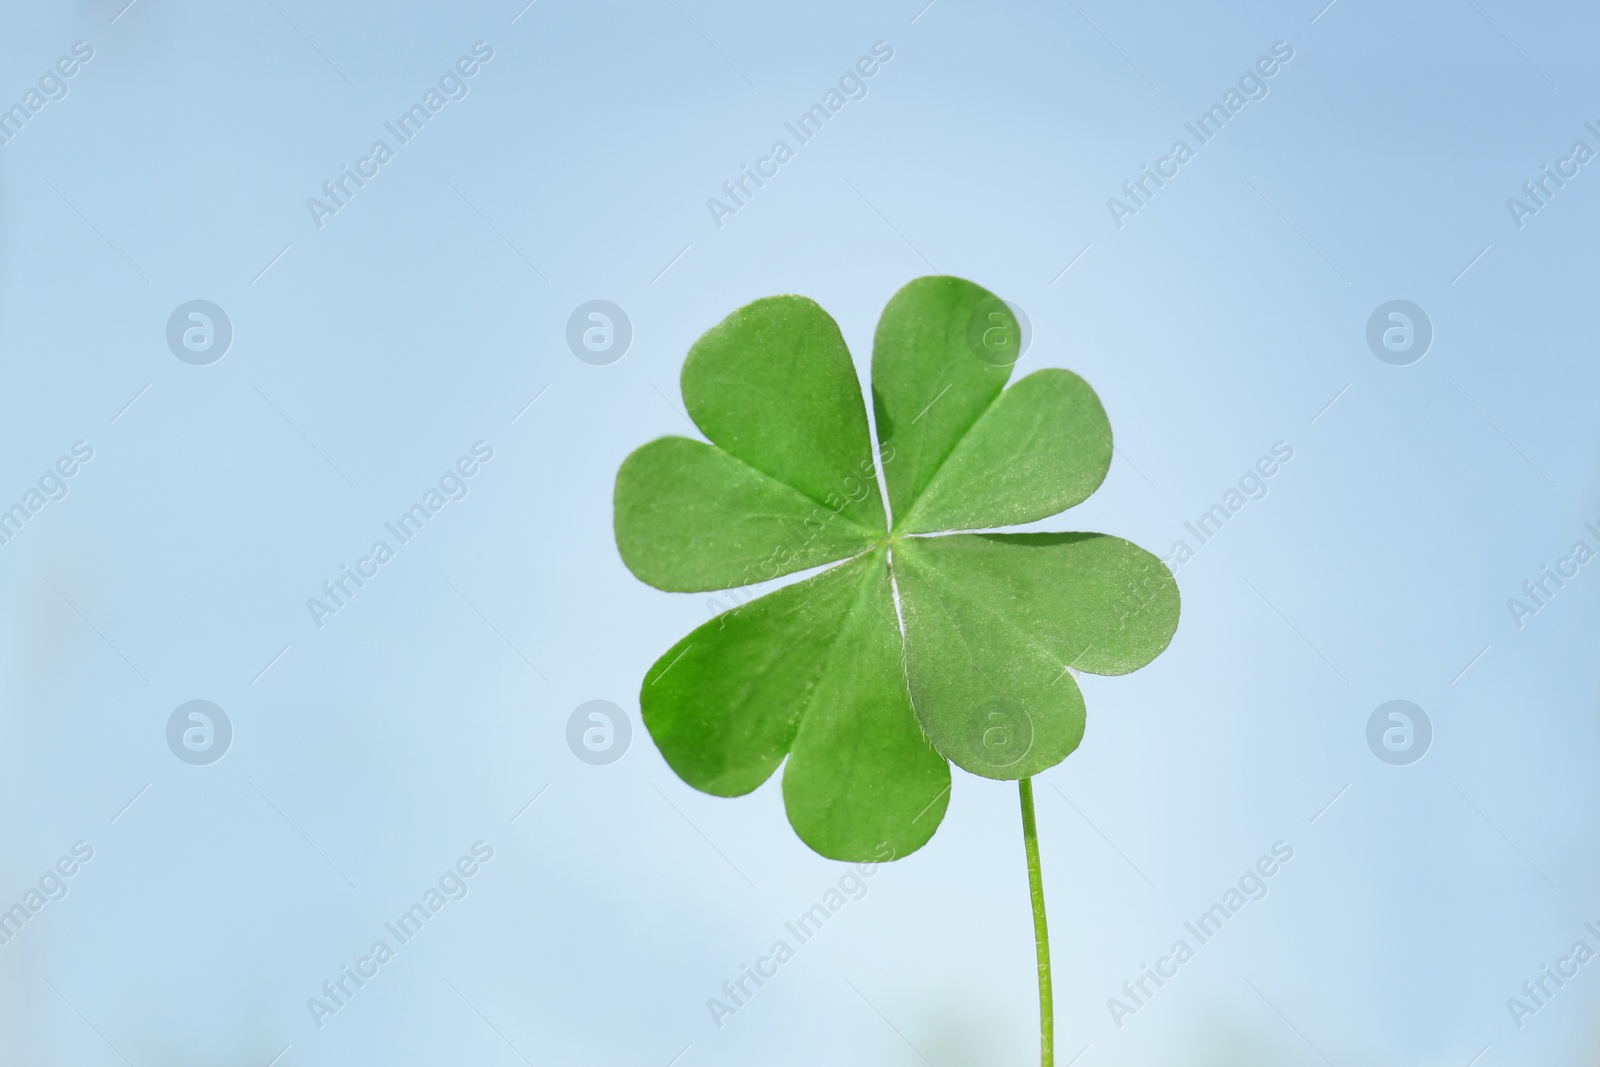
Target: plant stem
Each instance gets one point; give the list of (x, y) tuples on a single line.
[(1041, 934)]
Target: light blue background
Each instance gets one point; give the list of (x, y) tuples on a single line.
[(423, 317)]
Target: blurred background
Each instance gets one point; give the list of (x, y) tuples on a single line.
[(247, 386)]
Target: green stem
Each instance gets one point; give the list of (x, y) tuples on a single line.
[(1041, 934)]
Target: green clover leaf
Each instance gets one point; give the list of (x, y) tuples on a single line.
[(926, 642)]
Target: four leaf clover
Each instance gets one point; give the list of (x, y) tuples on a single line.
[(929, 639)]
